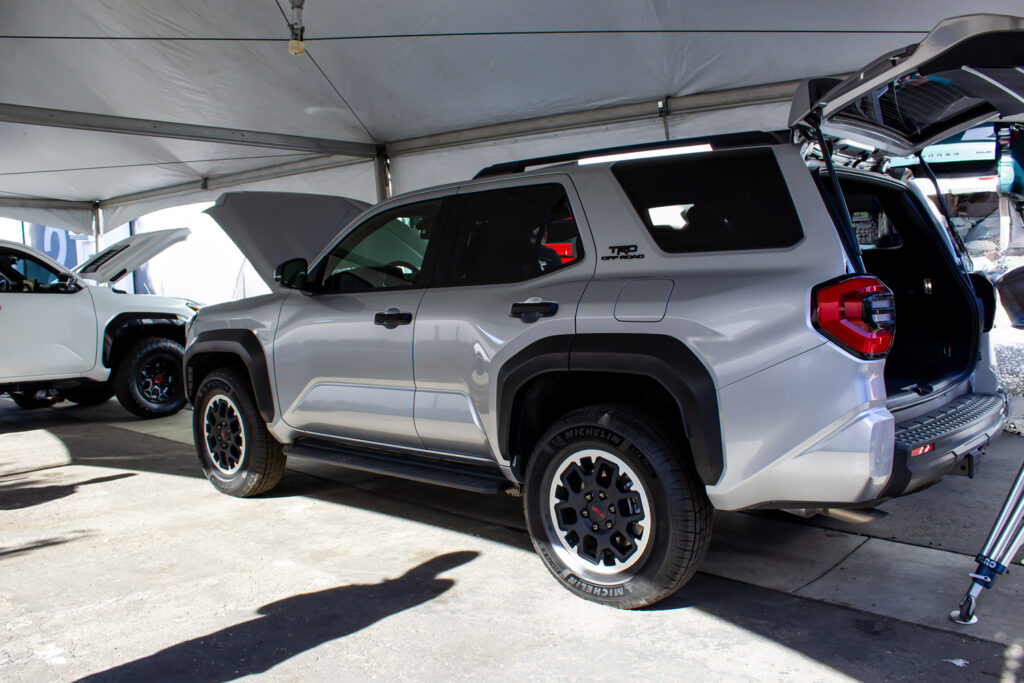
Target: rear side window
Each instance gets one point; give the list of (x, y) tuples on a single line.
[(514, 234), (712, 202)]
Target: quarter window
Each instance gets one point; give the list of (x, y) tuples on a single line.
[(514, 234), (385, 252), (712, 202)]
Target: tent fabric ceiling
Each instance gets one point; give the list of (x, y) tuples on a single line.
[(383, 73)]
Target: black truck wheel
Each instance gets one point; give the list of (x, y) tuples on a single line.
[(615, 513), (148, 380), (237, 453)]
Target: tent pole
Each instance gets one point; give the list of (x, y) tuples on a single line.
[(382, 174), (96, 227)]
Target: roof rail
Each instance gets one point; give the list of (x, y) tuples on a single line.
[(716, 141)]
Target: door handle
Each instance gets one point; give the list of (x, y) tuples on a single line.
[(540, 309), (392, 318)]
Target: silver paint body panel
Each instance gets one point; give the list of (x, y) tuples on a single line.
[(801, 420)]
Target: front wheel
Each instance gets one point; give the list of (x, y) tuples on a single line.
[(237, 453), (614, 511), (148, 380)]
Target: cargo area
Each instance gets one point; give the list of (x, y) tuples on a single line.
[(937, 316)]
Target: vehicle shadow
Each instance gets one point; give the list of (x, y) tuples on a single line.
[(289, 627), (16, 496)]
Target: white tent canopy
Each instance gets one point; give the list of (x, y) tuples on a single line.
[(122, 107)]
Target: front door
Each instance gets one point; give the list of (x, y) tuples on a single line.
[(45, 330), (343, 354)]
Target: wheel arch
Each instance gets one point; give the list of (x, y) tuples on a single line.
[(125, 329), (558, 374), (237, 348)]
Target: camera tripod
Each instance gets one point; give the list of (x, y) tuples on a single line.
[(1003, 541)]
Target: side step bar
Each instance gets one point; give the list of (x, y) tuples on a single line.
[(479, 479)]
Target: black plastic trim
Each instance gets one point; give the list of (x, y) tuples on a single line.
[(659, 357), (910, 473), (245, 345), (476, 478), (717, 142), (124, 321), (986, 293)]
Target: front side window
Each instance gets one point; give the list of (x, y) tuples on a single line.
[(385, 252), (724, 201), (514, 234), (22, 273)]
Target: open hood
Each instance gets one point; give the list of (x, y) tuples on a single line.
[(117, 260), (271, 227), (966, 70)]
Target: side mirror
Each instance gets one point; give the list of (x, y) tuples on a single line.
[(67, 284), (292, 273)]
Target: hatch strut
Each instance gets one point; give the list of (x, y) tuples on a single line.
[(846, 231), (944, 209)]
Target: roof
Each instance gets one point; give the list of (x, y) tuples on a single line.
[(127, 106)]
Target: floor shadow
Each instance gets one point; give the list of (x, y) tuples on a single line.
[(15, 496), (289, 627), (863, 646), (38, 545)]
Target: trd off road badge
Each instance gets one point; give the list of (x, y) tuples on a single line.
[(622, 252)]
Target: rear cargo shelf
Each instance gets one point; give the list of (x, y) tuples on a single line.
[(956, 420)]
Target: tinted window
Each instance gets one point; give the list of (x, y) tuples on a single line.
[(712, 202), (917, 106), (514, 234), (21, 273), (385, 252)]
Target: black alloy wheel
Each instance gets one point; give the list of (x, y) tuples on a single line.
[(158, 377), (148, 379), (224, 434), (237, 453), (614, 506)]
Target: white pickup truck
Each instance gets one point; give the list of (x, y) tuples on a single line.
[(72, 335)]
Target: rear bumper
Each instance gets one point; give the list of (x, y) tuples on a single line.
[(959, 428)]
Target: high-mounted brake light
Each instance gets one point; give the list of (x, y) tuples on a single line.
[(857, 313)]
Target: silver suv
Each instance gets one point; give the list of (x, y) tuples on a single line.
[(631, 343)]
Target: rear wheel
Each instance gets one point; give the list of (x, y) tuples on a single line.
[(148, 380), (90, 394), (31, 400), (237, 453), (613, 510)]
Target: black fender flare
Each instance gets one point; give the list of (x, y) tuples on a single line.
[(241, 343), (662, 358), (123, 322)]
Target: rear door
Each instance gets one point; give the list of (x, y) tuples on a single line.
[(514, 272), (967, 70)]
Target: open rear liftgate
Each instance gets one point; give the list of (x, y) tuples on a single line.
[(1007, 534)]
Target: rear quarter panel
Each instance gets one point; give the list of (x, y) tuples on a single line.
[(743, 313)]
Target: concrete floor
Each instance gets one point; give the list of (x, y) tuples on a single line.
[(118, 561)]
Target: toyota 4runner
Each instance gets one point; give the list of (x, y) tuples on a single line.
[(760, 320)]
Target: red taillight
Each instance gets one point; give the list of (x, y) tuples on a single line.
[(857, 313)]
